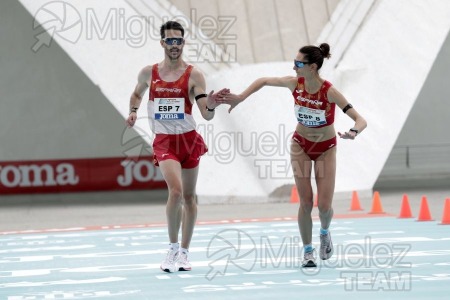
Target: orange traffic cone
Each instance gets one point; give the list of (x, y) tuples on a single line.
[(405, 210), (446, 214), (294, 195), (316, 201), (355, 205), (424, 213), (377, 208)]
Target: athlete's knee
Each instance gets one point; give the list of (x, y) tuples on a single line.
[(190, 199), (324, 202), (175, 193), (306, 206)]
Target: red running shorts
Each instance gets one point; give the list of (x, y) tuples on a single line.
[(186, 148)]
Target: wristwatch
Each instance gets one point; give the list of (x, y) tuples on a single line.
[(354, 130)]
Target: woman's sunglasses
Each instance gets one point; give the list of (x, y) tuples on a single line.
[(301, 64)]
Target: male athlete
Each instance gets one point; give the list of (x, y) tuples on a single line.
[(174, 88)]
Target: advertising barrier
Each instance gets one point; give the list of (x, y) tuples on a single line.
[(79, 175)]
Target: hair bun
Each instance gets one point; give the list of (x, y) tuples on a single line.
[(325, 49)]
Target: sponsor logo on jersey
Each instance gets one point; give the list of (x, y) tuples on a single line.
[(309, 101), (170, 90)]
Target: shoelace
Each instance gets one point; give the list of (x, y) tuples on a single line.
[(309, 256), (326, 241), (183, 257), (171, 257)]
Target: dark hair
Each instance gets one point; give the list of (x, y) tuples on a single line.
[(171, 25), (314, 54)]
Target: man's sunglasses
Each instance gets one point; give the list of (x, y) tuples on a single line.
[(173, 41), (301, 64)]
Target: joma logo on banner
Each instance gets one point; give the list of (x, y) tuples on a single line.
[(38, 175)]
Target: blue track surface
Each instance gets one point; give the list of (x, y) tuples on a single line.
[(374, 258)]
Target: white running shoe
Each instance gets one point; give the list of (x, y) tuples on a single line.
[(169, 263), (309, 261), (183, 263), (326, 246)]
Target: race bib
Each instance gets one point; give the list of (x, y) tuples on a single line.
[(310, 117), (169, 108)]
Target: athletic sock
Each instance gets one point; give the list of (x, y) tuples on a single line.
[(184, 250), (174, 246), (308, 248), (323, 231)]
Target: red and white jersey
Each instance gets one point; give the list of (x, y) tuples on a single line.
[(313, 110), (169, 107)]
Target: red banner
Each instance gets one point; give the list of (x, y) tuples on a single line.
[(79, 175)]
